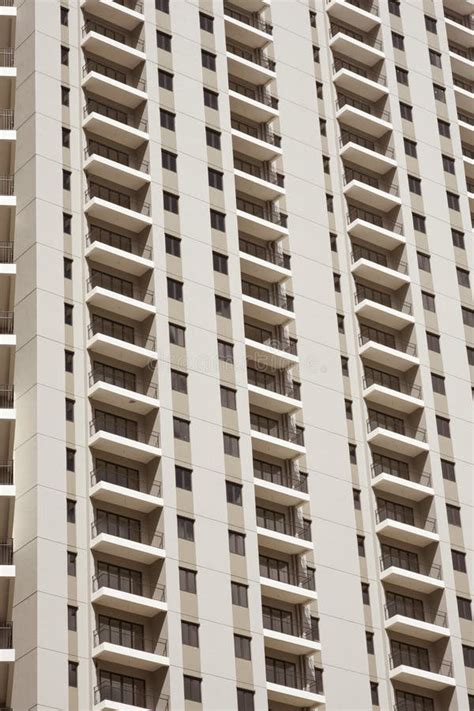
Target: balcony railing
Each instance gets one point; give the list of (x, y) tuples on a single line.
[(121, 37), (121, 583), (264, 212), (6, 551), (270, 296), (277, 523), (261, 132), (344, 100), (389, 560), (249, 19), (336, 29), (126, 694), (6, 635), (120, 331), (7, 185), (277, 475), (411, 608), (350, 137), (419, 661), (7, 57), (271, 382), (367, 5), (267, 338), (360, 71), (394, 424), (93, 106), (114, 239), (7, 397), (273, 428), (121, 379), (106, 71), (256, 56), (131, 639), (466, 85), (358, 213), (96, 148), (386, 339), (272, 620), (7, 119), (280, 259), (464, 20), (351, 174), (127, 528), (6, 473), (403, 514), (378, 258), (264, 172), (135, 5), (393, 382), (466, 118), (117, 198), (119, 286), (289, 676), (380, 297), (285, 575), (461, 51), (6, 322), (256, 93), (6, 252), (122, 428), (394, 467)]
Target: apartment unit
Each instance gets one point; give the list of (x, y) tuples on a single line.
[(236, 355)]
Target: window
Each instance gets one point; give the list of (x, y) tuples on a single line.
[(424, 261), (464, 608), (173, 245), (210, 99), (179, 381), (419, 222), (206, 22), (168, 160), (448, 470), (361, 546), (242, 647), (468, 653), (458, 239), (245, 700), (437, 382), (231, 445), (356, 498), (225, 351), (414, 184), (329, 203), (453, 201), (165, 80), (71, 563), (163, 41), (470, 355), (183, 478), (217, 220), (433, 341), (72, 618), (430, 24), (190, 633), (65, 92), (236, 543), (185, 528), (470, 698), (444, 128), (69, 361), (70, 460), (463, 277), (340, 323), (67, 265), (394, 7), (410, 147), (315, 54), (345, 365), (369, 638), (177, 335), (454, 515), (374, 693), (233, 493), (348, 407), (448, 164), (219, 262), (215, 179), (459, 561), (167, 119), (181, 429), (319, 90), (70, 410), (192, 688), (175, 289), (64, 56), (163, 6), (67, 223), (439, 93), (337, 282), (228, 398), (353, 453), (67, 179), (326, 164), (70, 511), (467, 316), (213, 138), (239, 594), (435, 58), (322, 127), (402, 75), (312, 18), (66, 137), (333, 241), (208, 60), (187, 580), (406, 111), (222, 306), (442, 425), (64, 14), (170, 202), (72, 674), (398, 41), (365, 593)]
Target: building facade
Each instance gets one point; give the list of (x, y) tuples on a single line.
[(237, 355)]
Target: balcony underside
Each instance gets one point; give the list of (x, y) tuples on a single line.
[(405, 533), (396, 485), (276, 493), (132, 658), (257, 187), (122, 397), (411, 581), (259, 227), (111, 50), (367, 158), (267, 399), (392, 441), (378, 274), (391, 357), (117, 173), (112, 90), (129, 550), (248, 71), (349, 81), (384, 315), (294, 697), (291, 643), (271, 356), (352, 15), (372, 197), (113, 12), (410, 627), (274, 446), (108, 493), (374, 235), (128, 602), (245, 34), (380, 395), (356, 50), (121, 350), (261, 269), (113, 214), (126, 262), (123, 306), (113, 130), (252, 109), (285, 592), (282, 542), (421, 678), (124, 447), (363, 121), (254, 147), (265, 312)]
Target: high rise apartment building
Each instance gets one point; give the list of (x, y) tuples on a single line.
[(236, 355)]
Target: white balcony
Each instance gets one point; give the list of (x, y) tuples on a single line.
[(466, 127), (459, 33), (409, 626), (273, 355), (247, 34), (375, 235), (352, 15), (124, 446), (108, 705), (110, 212), (115, 172), (8, 12), (129, 400), (348, 80), (421, 678), (119, 259), (279, 493), (464, 96), (121, 350), (355, 49), (385, 483), (367, 158), (123, 306), (114, 130), (409, 580), (363, 121), (260, 227), (406, 533), (289, 643), (109, 493), (275, 446), (384, 315), (112, 50), (461, 66), (299, 698), (258, 148), (283, 542), (262, 269), (271, 400), (266, 312), (7, 656), (128, 602), (249, 70), (257, 187), (251, 108), (381, 395), (286, 592), (373, 197), (114, 12), (385, 355), (129, 657), (113, 90), (379, 274), (395, 442), (126, 549)]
